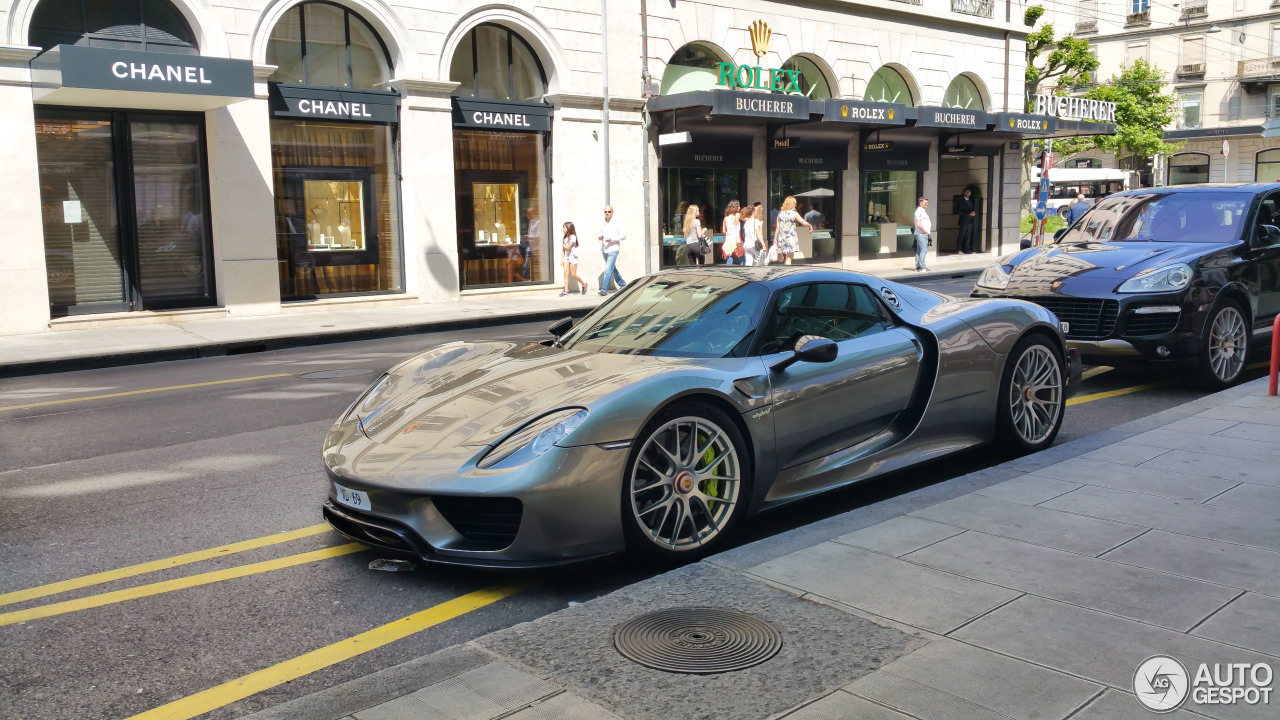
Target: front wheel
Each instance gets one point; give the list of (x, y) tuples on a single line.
[(687, 484), (1033, 396), (1223, 349)]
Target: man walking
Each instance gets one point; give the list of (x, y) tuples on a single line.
[(1076, 210), (922, 228), (968, 214), (611, 237)]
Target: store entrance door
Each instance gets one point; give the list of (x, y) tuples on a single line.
[(955, 174)]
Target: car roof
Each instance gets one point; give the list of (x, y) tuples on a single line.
[(1246, 188), (775, 276)]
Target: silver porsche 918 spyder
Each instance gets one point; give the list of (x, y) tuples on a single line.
[(683, 405)]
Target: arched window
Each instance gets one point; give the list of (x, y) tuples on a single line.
[(813, 83), (963, 93), (154, 25), (1188, 168), (320, 43), (693, 67), (888, 85), (494, 63), (1268, 168)]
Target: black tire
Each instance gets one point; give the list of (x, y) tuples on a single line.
[(1021, 408), (653, 480), (1220, 362)]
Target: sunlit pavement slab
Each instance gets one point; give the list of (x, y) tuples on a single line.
[(1033, 589), (202, 335)]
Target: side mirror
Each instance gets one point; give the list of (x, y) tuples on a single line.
[(810, 348), (1059, 233), (1267, 235), (561, 326)]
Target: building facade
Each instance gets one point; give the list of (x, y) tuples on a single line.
[(177, 159), (1221, 59)]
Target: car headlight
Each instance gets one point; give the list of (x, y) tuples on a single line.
[(1161, 279), (534, 439), (370, 393), (994, 278)]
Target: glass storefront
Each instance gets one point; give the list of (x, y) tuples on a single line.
[(337, 208), (1268, 166), (888, 205), (501, 193), (1188, 168), (817, 194), (710, 189), (125, 207)]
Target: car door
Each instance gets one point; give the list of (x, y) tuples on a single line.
[(822, 408), (1266, 255)]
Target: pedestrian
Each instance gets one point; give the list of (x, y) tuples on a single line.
[(732, 229), (611, 237), (750, 237), (694, 236), (785, 237), (1076, 210), (922, 228), (569, 243), (531, 239), (968, 213)]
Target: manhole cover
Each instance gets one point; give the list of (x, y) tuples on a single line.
[(331, 374), (699, 641)]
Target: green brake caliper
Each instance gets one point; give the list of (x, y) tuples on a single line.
[(712, 485)]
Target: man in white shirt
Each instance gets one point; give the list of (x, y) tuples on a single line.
[(611, 237), (923, 226)]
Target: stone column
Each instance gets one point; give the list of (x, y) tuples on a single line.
[(24, 288), (242, 205), (427, 190)]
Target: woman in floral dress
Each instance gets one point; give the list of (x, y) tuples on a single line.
[(784, 237)]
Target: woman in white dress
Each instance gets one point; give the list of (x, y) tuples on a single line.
[(570, 246), (752, 248), (732, 229)]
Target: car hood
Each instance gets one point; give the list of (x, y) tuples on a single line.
[(468, 395), (1034, 268)]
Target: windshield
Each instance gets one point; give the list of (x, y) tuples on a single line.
[(676, 315), (1196, 217)]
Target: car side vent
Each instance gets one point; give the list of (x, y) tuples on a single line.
[(485, 523)]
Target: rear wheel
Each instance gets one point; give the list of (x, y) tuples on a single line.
[(687, 484), (1033, 396), (1224, 348)]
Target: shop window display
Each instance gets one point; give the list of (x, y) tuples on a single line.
[(1268, 168), (709, 189), (335, 215), (890, 203), (816, 197), (1188, 169)]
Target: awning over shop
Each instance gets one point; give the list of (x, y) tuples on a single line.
[(107, 77)]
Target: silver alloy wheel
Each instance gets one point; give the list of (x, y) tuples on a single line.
[(685, 483), (1228, 340), (1036, 394)]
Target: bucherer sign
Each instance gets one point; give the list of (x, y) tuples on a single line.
[(1075, 108)]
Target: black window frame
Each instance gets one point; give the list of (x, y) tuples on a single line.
[(347, 13), (887, 319), (511, 74)]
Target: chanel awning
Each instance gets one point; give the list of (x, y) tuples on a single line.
[(111, 78)]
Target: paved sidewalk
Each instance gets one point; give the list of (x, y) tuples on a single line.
[(1032, 589), (66, 349)]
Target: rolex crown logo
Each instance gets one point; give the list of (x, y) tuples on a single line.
[(1010, 122), (844, 111), (760, 37), (890, 113)]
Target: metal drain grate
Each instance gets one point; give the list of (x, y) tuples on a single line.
[(698, 641), (332, 374)]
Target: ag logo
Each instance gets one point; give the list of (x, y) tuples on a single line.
[(1161, 684)]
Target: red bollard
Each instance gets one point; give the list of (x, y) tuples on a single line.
[(1275, 355)]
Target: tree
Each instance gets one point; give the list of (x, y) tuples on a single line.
[(1065, 59), (1143, 111)]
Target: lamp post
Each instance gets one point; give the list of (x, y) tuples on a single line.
[(604, 52)]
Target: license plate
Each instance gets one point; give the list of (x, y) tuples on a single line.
[(1066, 327), (352, 498)]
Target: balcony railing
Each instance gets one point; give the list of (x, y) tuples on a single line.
[(1086, 26), (1138, 18), (1197, 10), (1259, 69), (979, 8), (1190, 69)]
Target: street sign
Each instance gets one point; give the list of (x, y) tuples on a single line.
[(1226, 148), (1042, 200)]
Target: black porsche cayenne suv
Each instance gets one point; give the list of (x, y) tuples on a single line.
[(1186, 275)]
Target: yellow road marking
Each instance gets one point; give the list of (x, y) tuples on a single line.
[(208, 578), (142, 392), (1116, 393), (267, 678), (150, 567)]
